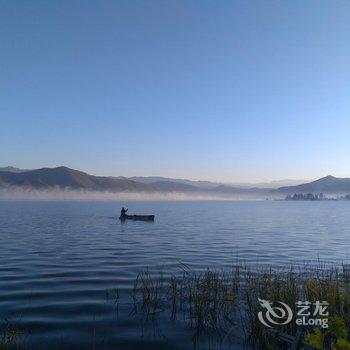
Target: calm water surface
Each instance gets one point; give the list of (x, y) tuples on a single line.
[(58, 259)]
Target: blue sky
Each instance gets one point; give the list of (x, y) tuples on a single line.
[(220, 90)]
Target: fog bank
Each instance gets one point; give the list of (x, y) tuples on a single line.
[(19, 193)]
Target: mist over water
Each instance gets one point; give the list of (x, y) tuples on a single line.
[(20, 193)]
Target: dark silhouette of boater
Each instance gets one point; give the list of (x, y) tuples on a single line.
[(123, 212), (124, 216)]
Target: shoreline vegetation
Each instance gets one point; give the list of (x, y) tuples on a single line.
[(221, 306), (225, 305), (315, 197)]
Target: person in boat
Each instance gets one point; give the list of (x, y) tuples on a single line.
[(123, 212)]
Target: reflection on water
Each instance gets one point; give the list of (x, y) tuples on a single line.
[(67, 268)]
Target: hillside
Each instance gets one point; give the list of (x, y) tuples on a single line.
[(66, 178), (170, 186), (328, 184), (158, 179), (63, 177)]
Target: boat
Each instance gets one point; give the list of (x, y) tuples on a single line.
[(137, 217)]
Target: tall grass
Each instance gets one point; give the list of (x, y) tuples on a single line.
[(227, 302)]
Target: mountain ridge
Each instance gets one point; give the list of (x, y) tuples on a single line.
[(66, 178), (12, 169), (63, 177), (328, 184)]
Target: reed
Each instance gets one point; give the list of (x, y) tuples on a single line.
[(148, 294), (13, 336), (227, 302)]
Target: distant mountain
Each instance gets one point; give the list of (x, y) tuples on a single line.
[(63, 177), (328, 184), (66, 178), (225, 189), (12, 169), (212, 185), (171, 186), (272, 184), (158, 179), (185, 186)]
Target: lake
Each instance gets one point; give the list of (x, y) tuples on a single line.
[(61, 261)]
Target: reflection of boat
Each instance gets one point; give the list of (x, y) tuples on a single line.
[(137, 217)]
